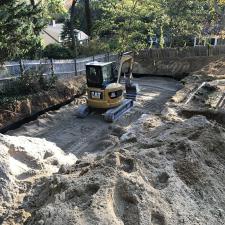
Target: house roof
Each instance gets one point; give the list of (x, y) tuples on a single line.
[(68, 4), (52, 34)]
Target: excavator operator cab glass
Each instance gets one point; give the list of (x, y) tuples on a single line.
[(99, 74)]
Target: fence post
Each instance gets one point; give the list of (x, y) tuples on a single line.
[(75, 66), (108, 56), (208, 50), (52, 67), (93, 58), (21, 67)]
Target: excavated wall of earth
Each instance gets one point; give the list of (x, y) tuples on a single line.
[(65, 91), (172, 67)]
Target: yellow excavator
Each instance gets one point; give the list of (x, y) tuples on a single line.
[(105, 90)]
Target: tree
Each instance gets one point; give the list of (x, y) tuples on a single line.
[(72, 28), (55, 9), (130, 22), (69, 33), (186, 20), (20, 24), (88, 17)]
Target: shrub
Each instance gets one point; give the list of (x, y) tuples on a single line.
[(56, 51), (31, 82), (94, 47)]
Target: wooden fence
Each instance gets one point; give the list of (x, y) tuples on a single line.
[(180, 52)]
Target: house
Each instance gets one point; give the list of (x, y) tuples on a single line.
[(212, 40), (52, 34)]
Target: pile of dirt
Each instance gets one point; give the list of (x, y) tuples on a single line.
[(22, 161), (21, 109), (163, 172), (213, 70), (203, 93), (212, 74)]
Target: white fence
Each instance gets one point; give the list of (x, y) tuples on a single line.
[(61, 68)]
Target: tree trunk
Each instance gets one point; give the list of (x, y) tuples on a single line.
[(88, 17), (223, 19), (72, 33), (216, 7)]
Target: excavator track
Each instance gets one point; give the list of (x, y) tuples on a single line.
[(83, 111), (112, 115)]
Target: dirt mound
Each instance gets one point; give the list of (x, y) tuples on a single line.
[(22, 160), (213, 69), (203, 93), (167, 173)]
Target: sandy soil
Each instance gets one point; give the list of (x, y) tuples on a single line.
[(93, 134), (22, 161), (160, 176)]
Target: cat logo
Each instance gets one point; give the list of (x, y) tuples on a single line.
[(95, 94)]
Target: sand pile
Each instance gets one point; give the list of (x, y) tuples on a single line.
[(22, 160), (215, 69), (163, 173)]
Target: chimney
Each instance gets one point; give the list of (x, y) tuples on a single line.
[(53, 23)]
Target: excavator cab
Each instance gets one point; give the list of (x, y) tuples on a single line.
[(100, 74)]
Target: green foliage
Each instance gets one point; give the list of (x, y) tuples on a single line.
[(20, 25), (120, 25), (129, 22), (67, 33), (54, 9), (32, 82), (94, 47), (56, 51), (186, 18)]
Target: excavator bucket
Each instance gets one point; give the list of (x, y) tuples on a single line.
[(132, 91)]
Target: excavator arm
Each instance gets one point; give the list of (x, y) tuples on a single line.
[(130, 61), (131, 89)]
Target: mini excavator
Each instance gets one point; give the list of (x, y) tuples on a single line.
[(106, 91)]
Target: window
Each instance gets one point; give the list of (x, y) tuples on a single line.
[(93, 75), (106, 73)]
